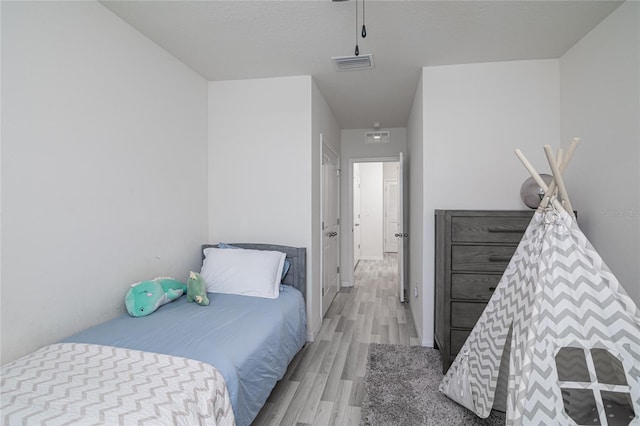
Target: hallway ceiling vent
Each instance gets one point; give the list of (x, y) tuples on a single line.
[(352, 63), (376, 137)]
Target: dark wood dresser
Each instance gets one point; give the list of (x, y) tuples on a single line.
[(473, 248)]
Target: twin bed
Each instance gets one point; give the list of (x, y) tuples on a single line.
[(183, 364)]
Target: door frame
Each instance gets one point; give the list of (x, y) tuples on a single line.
[(324, 145), (349, 267), (386, 183), (353, 238)]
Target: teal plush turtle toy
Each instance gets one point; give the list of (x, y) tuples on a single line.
[(146, 297), (197, 289)]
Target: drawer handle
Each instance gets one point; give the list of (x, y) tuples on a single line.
[(503, 230), (492, 288), (499, 258)]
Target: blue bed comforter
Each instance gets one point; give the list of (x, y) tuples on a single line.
[(250, 340)]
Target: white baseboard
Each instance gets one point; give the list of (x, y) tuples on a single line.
[(371, 257), (311, 336), (346, 284)]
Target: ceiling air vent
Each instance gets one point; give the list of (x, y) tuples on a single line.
[(350, 63), (376, 137)]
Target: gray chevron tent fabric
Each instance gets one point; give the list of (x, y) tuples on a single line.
[(574, 336)]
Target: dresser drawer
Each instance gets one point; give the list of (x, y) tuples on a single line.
[(488, 229), (473, 286), (458, 337), (480, 258), (466, 314)]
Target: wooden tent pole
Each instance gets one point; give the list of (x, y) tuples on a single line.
[(563, 166), (553, 188), (537, 177), (559, 155), (531, 170), (557, 177)]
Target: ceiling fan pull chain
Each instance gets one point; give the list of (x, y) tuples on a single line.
[(357, 52), (364, 28)]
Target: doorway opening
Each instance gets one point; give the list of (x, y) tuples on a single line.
[(375, 210), (376, 216)]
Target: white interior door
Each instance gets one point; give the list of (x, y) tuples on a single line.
[(330, 227), (402, 235), (390, 216), (356, 215)]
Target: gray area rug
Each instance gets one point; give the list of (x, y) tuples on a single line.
[(401, 388)]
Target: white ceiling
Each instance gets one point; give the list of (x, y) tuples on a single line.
[(228, 40)]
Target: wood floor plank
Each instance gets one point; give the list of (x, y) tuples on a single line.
[(324, 384), (331, 387), (340, 414), (358, 328), (330, 357), (328, 328), (294, 408), (305, 362), (368, 326), (310, 406), (384, 334), (357, 392), (275, 415), (361, 364), (348, 372), (375, 326), (296, 361), (403, 335), (353, 416), (263, 416), (394, 333), (400, 314), (318, 356), (323, 413)]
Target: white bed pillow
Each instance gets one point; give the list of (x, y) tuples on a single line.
[(242, 271)]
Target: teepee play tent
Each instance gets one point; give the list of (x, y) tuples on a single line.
[(569, 332)]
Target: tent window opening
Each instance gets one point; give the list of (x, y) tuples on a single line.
[(580, 405), (572, 365), (609, 369), (600, 371)]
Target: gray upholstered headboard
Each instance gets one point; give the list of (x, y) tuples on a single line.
[(297, 275)]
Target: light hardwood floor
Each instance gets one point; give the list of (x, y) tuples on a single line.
[(324, 383)]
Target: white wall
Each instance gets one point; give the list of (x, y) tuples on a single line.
[(259, 161), (371, 211), (354, 148), (474, 117), (264, 168), (322, 122), (414, 163), (104, 168), (353, 145), (390, 170), (600, 95)]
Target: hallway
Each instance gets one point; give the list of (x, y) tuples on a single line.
[(324, 382)]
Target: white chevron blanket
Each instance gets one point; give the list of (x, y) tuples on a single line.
[(73, 383)]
